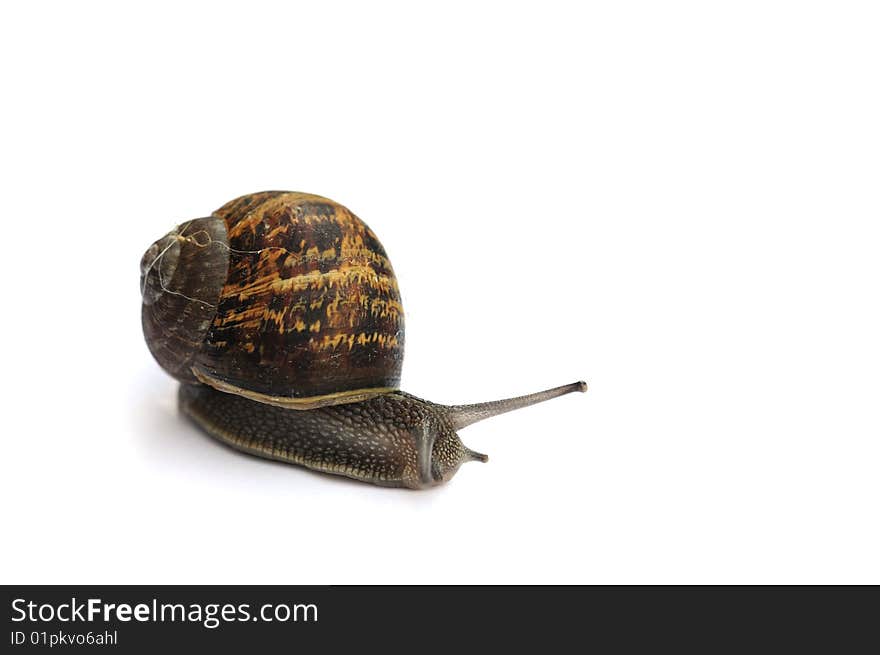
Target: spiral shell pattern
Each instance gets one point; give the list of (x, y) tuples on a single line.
[(310, 313)]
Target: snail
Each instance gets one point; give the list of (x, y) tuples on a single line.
[(281, 317)]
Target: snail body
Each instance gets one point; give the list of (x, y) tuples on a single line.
[(281, 317)]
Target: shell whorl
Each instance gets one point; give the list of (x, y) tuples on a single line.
[(286, 298), (310, 313), (181, 281)]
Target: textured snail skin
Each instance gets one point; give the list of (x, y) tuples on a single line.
[(393, 440)]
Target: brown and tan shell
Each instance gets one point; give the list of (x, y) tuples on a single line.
[(308, 312)]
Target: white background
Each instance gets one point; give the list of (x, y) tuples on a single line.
[(675, 201)]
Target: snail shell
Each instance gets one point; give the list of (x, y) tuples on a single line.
[(282, 297)]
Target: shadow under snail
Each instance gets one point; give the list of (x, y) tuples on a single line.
[(281, 317)]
